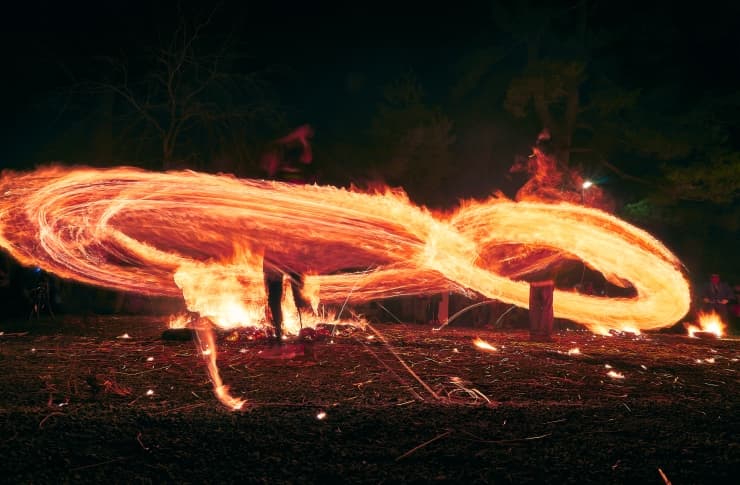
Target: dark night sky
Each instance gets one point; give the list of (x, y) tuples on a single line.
[(43, 42)]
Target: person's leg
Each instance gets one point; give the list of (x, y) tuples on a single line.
[(274, 286), (296, 284)]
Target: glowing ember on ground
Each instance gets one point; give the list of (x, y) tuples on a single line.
[(482, 344), (615, 375), (709, 323), (574, 351), (321, 415), (150, 392), (124, 336)]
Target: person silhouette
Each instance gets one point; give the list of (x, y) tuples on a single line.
[(286, 161), (717, 295)]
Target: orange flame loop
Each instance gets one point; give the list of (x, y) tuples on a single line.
[(159, 233)]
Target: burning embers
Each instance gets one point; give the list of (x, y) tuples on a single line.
[(710, 325)]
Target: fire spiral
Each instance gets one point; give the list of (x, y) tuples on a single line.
[(155, 233)]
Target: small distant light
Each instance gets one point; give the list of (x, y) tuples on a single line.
[(574, 350), (607, 366), (125, 335), (709, 360), (587, 184), (33, 349), (149, 359), (321, 415), (150, 392), (243, 351), (207, 352), (455, 350), (615, 374)]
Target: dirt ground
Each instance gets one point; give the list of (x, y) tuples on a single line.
[(404, 405)]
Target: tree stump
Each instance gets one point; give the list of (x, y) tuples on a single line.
[(540, 310)]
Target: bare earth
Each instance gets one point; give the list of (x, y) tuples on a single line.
[(75, 407)]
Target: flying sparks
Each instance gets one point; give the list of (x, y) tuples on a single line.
[(160, 233)]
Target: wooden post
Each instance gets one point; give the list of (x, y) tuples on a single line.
[(540, 310), (444, 308)]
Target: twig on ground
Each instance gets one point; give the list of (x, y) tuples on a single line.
[(138, 438), (416, 448), (664, 477), (93, 465), (41, 423)]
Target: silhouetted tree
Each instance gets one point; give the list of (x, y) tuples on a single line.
[(412, 140), (188, 96)]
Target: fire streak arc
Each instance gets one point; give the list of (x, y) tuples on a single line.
[(149, 232)]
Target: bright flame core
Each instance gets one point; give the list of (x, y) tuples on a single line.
[(166, 233)]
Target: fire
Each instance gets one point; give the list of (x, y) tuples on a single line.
[(203, 237), (708, 323), (207, 346), (482, 344), (162, 233)]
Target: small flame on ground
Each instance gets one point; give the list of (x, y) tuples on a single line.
[(615, 375), (150, 392), (124, 336), (181, 320), (708, 323), (483, 345), (574, 351), (321, 415)]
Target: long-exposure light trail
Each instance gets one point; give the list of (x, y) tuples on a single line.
[(205, 238), (146, 232)]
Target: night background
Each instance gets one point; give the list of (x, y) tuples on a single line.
[(446, 101), (440, 100)]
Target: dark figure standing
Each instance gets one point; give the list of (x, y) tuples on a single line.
[(286, 161), (717, 295)]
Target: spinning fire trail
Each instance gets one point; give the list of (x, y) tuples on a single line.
[(193, 234)]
